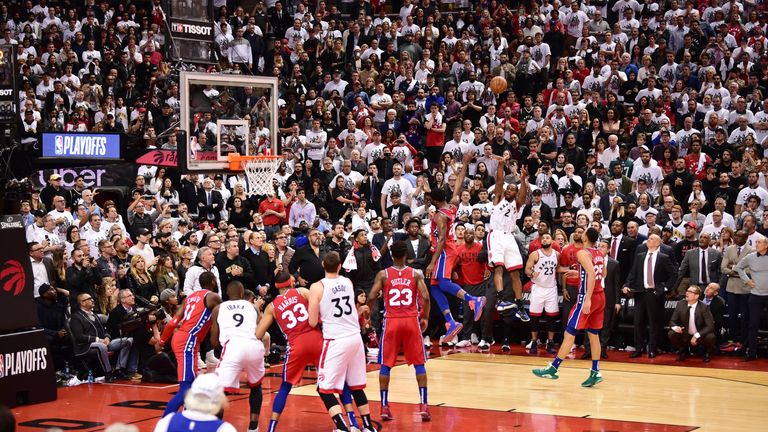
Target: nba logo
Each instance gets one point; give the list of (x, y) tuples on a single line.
[(2, 365), (58, 145)]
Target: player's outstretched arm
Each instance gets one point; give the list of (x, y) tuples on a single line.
[(315, 295), (522, 190), (425, 303), (498, 190), (172, 324), (215, 327), (378, 286), (266, 321), (468, 156)]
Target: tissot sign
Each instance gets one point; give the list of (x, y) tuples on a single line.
[(186, 29)]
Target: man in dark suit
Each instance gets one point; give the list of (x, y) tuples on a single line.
[(419, 256), (649, 281), (717, 306), (606, 200), (692, 324), (665, 249), (370, 188), (691, 266), (383, 239), (621, 249), (210, 203), (280, 20)]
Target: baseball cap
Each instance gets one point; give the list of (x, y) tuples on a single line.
[(144, 231), (43, 289), (568, 192), (644, 148), (536, 192), (358, 231), (691, 224), (39, 213), (54, 176)]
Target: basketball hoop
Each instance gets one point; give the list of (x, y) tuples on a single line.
[(260, 171)]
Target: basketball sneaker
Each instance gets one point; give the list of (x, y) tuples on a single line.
[(547, 372), (534, 350), (502, 305), (452, 329), (464, 344), (551, 347), (474, 339), (484, 346), (424, 411), (594, 378), (386, 413), (477, 305), (505, 347), (427, 342), (521, 314)]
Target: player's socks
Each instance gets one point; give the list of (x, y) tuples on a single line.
[(352, 419), (252, 426), (596, 365), (338, 420), (367, 421), (423, 394), (384, 397), (177, 400), (448, 316), (557, 362), (272, 426)]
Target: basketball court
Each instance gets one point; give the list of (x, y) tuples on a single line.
[(474, 391)]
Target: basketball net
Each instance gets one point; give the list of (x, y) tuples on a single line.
[(260, 170)]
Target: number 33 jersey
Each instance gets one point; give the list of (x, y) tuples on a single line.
[(237, 319), (292, 314), (337, 308)]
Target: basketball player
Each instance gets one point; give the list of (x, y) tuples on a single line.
[(404, 321), (444, 256), (193, 321), (234, 328), (305, 344), (587, 313), (503, 251), (332, 301), (541, 268)]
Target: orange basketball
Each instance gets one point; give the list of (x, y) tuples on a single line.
[(498, 84)]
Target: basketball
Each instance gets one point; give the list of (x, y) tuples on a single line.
[(498, 84)]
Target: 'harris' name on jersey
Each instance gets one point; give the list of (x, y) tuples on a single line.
[(289, 301)]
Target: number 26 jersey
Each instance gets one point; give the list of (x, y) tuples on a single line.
[(337, 308)]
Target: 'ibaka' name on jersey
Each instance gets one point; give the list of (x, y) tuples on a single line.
[(290, 301), (338, 289), (235, 306)]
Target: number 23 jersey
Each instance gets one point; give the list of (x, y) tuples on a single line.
[(401, 293), (337, 308)]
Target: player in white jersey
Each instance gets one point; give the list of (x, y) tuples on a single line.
[(503, 252), (332, 302), (542, 269), (234, 328)]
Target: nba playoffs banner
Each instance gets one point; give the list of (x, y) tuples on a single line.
[(81, 146), (27, 373), (17, 302)]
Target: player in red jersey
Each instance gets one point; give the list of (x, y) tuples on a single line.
[(193, 322), (402, 288), (444, 256), (587, 313), (305, 343)]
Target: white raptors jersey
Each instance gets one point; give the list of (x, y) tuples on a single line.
[(504, 216), (337, 308), (237, 319), (546, 266)]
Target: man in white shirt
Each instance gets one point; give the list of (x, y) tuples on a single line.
[(142, 247), (396, 183), (380, 102), (206, 259), (751, 189), (94, 234), (651, 173), (61, 217), (316, 141)]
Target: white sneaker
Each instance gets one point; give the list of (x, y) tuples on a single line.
[(483, 345), (474, 339), (201, 364), (427, 342), (210, 359), (463, 344), (454, 341)]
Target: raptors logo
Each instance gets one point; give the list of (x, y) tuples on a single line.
[(13, 277)]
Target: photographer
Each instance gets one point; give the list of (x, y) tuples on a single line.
[(82, 277)]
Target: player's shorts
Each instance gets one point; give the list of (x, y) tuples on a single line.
[(446, 262), (239, 355), (342, 361), (303, 350), (402, 335), (186, 348), (579, 320), (544, 300), (503, 251)]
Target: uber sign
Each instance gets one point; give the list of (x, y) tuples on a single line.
[(186, 29)]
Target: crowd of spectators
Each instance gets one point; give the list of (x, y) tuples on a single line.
[(639, 119)]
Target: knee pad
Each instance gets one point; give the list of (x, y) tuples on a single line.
[(255, 398), (552, 324), (282, 395), (384, 371), (360, 398), (346, 395), (329, 400), (420, 369)]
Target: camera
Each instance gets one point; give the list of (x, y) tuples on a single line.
[(139, 318)]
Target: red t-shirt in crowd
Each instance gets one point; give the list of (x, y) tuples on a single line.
[(568, 259), (277, 206), (472, 270)]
